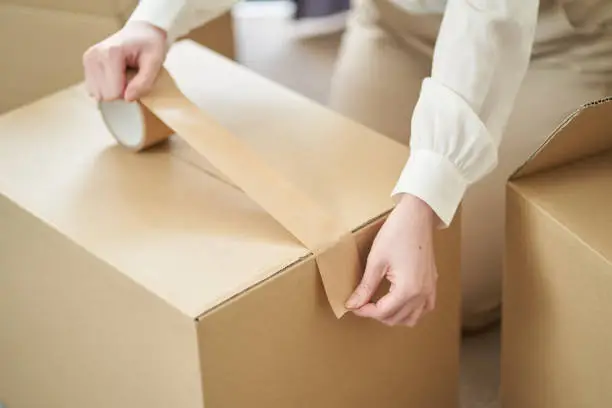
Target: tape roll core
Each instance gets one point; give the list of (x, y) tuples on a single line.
[(133, 125)]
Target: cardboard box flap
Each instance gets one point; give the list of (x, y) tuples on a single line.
[(165, 111), (158, 218), (586, 132), (344, 166), (577, 196)]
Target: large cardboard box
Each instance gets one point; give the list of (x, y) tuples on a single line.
[(146, 280), (557, 341), (42, 42)]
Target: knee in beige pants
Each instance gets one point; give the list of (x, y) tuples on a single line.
[(387, 52)]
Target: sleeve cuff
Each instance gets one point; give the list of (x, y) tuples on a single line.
[(435, 180), (162, 14)]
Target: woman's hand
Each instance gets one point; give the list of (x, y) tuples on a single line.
[(138, 45), (402, 253)]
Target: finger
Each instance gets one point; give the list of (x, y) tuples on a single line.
[(89, 81), (414, 317), (98, 81), (413, 305), (92, 75), (91, 87), (386, 307), (373, 275), (431, 302), (149, 66), (114, 75), (400, 315)]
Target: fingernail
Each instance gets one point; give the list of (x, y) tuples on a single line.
[(352, 302)]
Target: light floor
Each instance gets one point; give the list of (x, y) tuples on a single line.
[(269, 44)]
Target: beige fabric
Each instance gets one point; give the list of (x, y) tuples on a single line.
[(387, 52)]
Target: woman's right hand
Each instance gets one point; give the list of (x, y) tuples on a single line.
[(137, 45)]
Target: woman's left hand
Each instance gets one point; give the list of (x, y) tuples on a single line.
[(402, 253)]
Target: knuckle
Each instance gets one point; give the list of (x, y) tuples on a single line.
[(387, 310), (410, 292), (114, 51)]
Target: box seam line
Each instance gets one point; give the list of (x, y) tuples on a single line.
[(281, 271), (555, 220)]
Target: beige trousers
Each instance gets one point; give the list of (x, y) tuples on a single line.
[(385, 54)]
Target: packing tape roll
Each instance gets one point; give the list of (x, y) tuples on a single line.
[(166, 111), (133, 125)]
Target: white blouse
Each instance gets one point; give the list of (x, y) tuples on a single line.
[(480, 59)]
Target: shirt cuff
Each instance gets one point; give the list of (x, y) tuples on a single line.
[(165, 15), (435, 180)]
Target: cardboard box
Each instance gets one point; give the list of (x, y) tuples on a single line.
[(217, 35), (42, 42), (144, 280), (558, 279)]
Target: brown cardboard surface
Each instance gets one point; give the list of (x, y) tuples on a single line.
[(165, 109), (578, 196), (252, 116), (76, 333), (44, 40), (319, 361), (162, 228), (555, 347), (241, 239), (94, 7), (42, 50)]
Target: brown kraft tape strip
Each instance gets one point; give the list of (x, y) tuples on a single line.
[(166, 110)]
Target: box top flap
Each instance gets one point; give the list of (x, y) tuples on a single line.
[(579, 197), (162, 217), (586, 132)]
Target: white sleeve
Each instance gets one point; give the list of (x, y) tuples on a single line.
[(179, 17), (480, 59)]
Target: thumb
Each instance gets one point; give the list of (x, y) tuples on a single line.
[(149, 66), (373, 275)]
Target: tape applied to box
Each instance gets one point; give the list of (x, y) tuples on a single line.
[(166, 110)]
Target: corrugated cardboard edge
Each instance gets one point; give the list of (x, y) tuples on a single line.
[(566, 134)]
